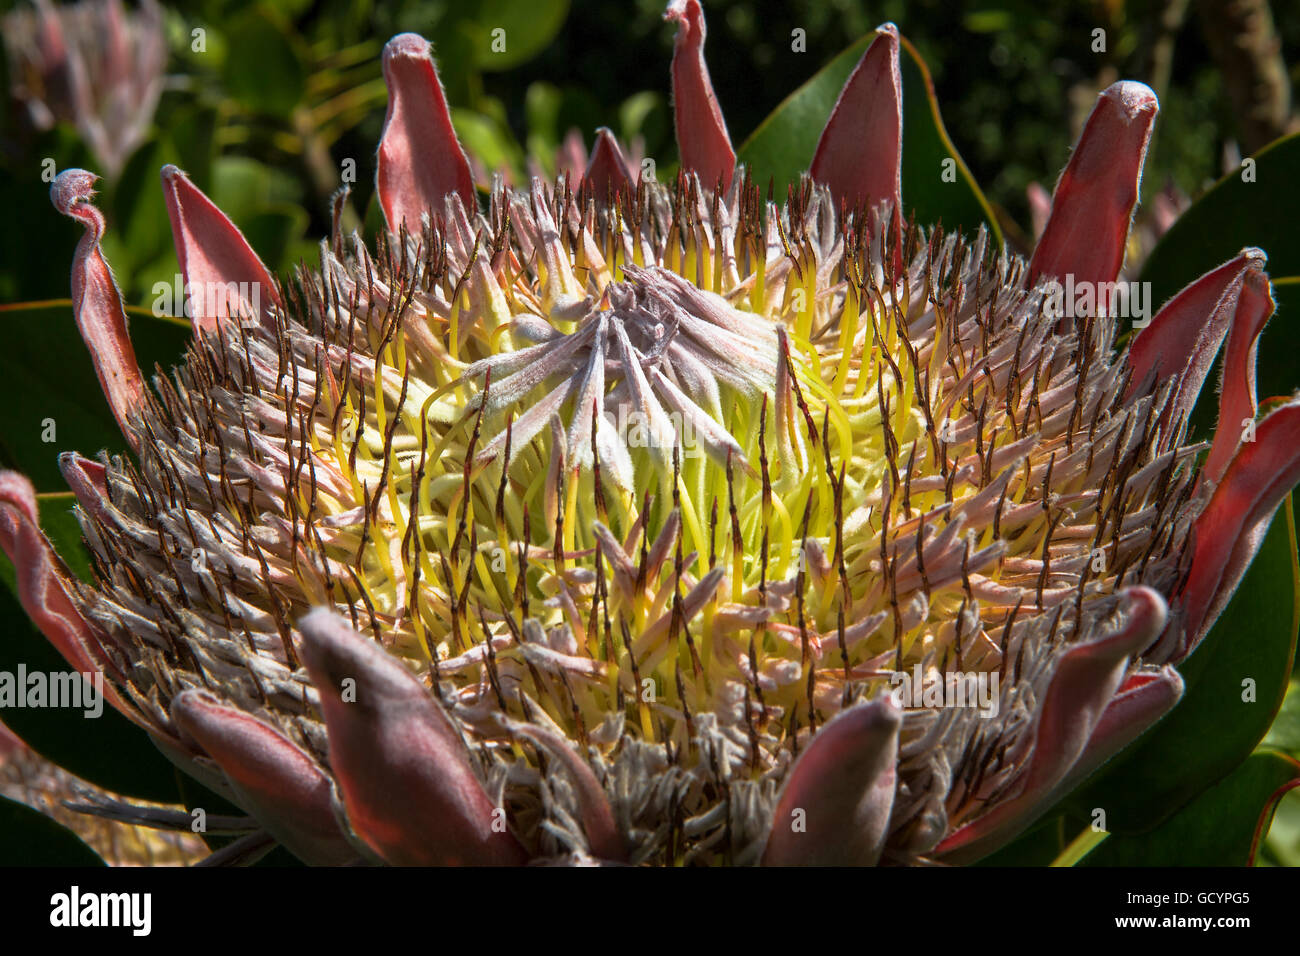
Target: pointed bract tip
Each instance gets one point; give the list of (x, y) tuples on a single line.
[(420, 159), (97, 301), (70, 187), (859, 154), (1092, 207), (225, 276), (173, 176), (407, 781), (1184, 337), (16, 491), (407, 44), (703, 142), (687, 14), (1132, 97), (1257, 257), (607, 168), (1238, 402), (842, 789), (272, 777), (332, 649), (72, 193), (1229, 531), (87, 479), (880, 713), (1145, 612), (43, 586)]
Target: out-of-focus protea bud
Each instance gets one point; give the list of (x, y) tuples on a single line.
[(92, 65)]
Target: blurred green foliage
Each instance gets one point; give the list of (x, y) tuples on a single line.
[(279, 94)]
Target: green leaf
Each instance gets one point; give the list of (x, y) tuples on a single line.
[(107, 750), (644, 114), (46, 375), (490, 142), (61, 526), (782, 147), (243, 187), (1218, 828), (262, 202), (193, 131), (926, 150), (542, 117), (29, 838), (139, 230), (264, 67), (529, 25), (1285, 732), (1255, 637), (1212, 730), (32, 269), (1038, 846), (1230, 216), (1282, 848)]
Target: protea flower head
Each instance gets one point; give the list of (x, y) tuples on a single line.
[(602, 521), (90, 64)]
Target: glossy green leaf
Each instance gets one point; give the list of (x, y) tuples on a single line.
[(527, 28), (1216, 725), (107, 750), (927, 150), (1285, 732), (782, 147), (1282, 848), (28, 838), (1038, 846), (1232, 215), (46, 375), (783, 144), (1218, 828)]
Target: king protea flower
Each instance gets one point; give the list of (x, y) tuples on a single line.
[(599, 522)]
